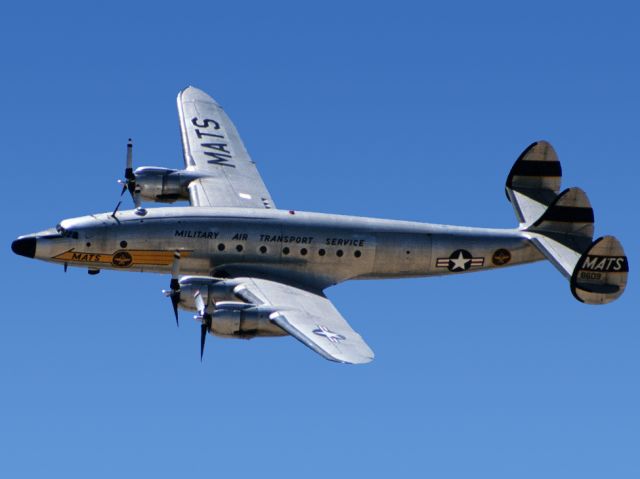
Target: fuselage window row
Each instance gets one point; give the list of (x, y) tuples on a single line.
[(286, 250)]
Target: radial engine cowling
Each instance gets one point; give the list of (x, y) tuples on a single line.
[(245, 321), (211, 289), (162, 185)]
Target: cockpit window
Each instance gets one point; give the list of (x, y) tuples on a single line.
[(66, 233)]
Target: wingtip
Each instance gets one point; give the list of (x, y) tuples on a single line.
[(352, 358), (192, 93)]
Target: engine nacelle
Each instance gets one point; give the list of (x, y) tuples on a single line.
[(163, 185), (245, 321), (211, 289)]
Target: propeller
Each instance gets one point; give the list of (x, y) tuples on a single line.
[(174, 286), (129, 183), (204, 315)]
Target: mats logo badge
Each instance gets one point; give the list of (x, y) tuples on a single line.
[(501, 257), (606, 264), (122, 259), (460, 260)]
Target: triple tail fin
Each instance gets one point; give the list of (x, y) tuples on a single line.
[(561, 226)]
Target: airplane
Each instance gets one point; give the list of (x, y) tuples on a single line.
[(251, 270)]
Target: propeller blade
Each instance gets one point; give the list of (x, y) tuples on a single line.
[(205, 317), (175, 267), (199, 302), (124, 187), (175, 299), (128, 172), (203, 338), (116, 209), (174, 296), (174, 285), (129, 183)]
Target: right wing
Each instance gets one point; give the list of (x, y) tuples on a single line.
[(212, 147), (310, 318)]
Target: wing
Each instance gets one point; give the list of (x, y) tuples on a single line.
[(310, 318), (213, 148)]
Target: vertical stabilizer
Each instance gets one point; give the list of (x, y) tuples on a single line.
[(601, 273), (534, 181)]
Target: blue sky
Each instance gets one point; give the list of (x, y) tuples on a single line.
[(398, 109)]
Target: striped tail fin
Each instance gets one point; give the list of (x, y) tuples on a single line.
[(561, 226), (534, 181), (568, 220), (601, 273)]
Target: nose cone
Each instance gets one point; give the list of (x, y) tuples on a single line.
[(25, 246)]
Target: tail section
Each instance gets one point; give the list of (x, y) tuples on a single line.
[(561, 227)]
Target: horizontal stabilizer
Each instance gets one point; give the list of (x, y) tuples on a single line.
[(534, 181), (562, 257), (601, 273)]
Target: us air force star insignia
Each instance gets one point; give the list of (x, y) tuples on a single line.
[(327, 333), (460, 260)]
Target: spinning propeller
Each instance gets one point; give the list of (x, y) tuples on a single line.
[(129, 183), (205, 314), (174, 286)]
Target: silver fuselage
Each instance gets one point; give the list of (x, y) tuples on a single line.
[(312, 249)]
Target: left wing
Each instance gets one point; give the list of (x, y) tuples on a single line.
[(213, 148), (310, 318)]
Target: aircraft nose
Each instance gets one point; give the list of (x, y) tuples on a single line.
[(25, 246)]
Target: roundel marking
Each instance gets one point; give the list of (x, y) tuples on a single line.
[(501, 257), (327, 333), (460, 260), (122, 259)]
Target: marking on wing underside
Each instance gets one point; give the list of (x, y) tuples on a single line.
[(327, 333)]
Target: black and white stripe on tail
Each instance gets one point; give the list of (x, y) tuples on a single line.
[(568, 220), (600, 275), (561, 227), (534, 181)]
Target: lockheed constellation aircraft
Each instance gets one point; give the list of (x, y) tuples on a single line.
[(250, 269)]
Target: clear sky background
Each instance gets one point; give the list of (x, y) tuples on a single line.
[(387, 109)]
